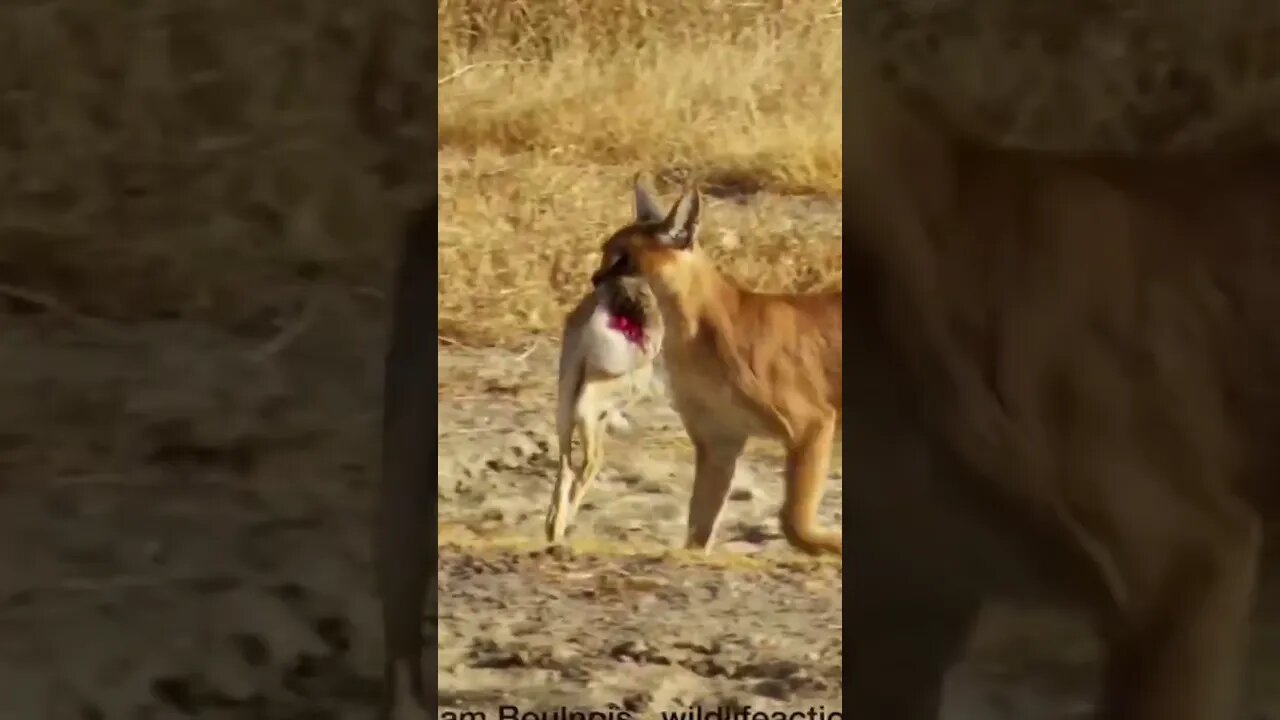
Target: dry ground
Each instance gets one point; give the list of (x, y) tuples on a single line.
[(545, 116), (209, 556), (185, 481)]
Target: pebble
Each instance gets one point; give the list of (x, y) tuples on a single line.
[(629, 649), (772, 688), (502, 659), (776, 669)]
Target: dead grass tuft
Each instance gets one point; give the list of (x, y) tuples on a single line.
[(547, 110)]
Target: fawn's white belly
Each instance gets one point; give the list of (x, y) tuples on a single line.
[(608, 350)]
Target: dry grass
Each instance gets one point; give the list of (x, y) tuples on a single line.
[(721, 88), (518, 240), (217, 160), (547, 110)]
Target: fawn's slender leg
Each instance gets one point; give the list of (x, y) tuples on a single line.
[(593, 435), (558, 514)]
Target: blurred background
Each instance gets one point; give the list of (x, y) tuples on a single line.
[(207, 160), (198, 207), (198, 202)]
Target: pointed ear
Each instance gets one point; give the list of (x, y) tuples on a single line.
[(682, 222), (646, 209)]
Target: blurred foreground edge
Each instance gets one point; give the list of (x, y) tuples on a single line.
[(405, 524)]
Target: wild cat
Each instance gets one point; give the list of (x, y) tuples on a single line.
[(740, 364), (608, 347)]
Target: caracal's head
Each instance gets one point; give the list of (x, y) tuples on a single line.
[(659, 247)]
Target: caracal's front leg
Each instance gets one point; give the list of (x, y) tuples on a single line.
[(716, 458)]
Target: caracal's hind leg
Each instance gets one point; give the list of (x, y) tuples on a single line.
[(806, 480), (715, 460)]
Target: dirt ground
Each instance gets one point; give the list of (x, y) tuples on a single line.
[(184, 518)]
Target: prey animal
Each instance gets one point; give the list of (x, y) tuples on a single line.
[(740, 364), (608, 346)]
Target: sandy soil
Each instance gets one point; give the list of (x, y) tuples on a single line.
[(184, 519)]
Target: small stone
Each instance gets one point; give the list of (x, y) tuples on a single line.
[(521, 445), (742, 493), (629, 650), (563, 655), (709, 667), (653, 486), (775, 669), (757, 534), (559, 552), (502, 659), (773, 688)]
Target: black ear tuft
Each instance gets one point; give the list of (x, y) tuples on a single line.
[(682, 222), (646, 209)]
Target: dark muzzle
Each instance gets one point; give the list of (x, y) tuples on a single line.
[(620, 267)]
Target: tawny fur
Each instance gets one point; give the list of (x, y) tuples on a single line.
[(601, 374), (740, 364), (1070, 365)]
